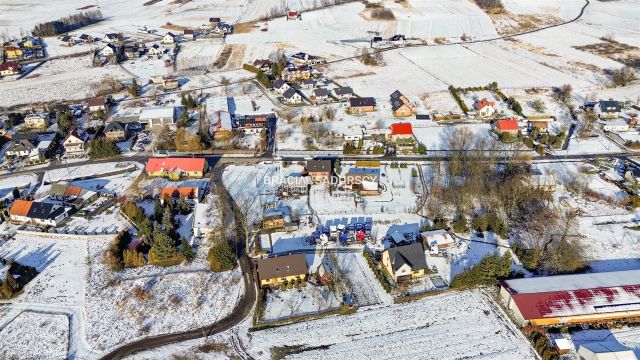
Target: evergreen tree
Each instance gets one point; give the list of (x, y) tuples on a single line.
[(102, 148), (157, 209), (221, 257), (167, 219), (183, 206), (460, 225), (187, 251), (163, 248), (145, 232), (66, 122)]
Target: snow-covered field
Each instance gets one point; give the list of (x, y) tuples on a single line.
[(171, 299), (451, 326), (35, 336), (73, 280), (92, 170), (310, 299), (60, 79), (365, 288), (9, 183)]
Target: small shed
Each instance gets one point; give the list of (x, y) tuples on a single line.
[(563, 346)]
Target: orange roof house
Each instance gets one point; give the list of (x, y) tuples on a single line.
[(176, 192), (72, 190), (506, 126), (20, 208), (175, 168)]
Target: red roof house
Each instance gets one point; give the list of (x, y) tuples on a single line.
[(483, 103), (573, 298), (506, 126), (401, 131), (176, 167), (10, 68), (485, 107)]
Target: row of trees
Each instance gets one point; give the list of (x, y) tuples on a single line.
[(67, 23)]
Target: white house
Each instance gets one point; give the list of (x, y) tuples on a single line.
[(608, 109), (485, 108), (156, 50), (158, 116), (74, 144), (108, 50), (437, 240), (280, 86), (292, 96), (614, 125), (169, 38), (113, 37), (343, 93), (22, 149)]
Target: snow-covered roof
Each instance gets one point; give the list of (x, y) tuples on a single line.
[(573, 282), (439, 237), (218, 103), (157, 112)]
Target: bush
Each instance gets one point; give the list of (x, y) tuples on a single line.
[(489, 4), (530, 258), (16, 278), (221, 257), (382, 279), (456, 97), (382, 14), (623, 76), (486, 272), (133, 212), (460, 225), (251, 68), (102, 148), (113, 257), (133, 259)]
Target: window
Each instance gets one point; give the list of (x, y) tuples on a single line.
[(277, 268)]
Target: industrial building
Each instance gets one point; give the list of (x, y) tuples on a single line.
[(573, 298)]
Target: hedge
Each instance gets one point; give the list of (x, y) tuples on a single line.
[(251, 68)]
